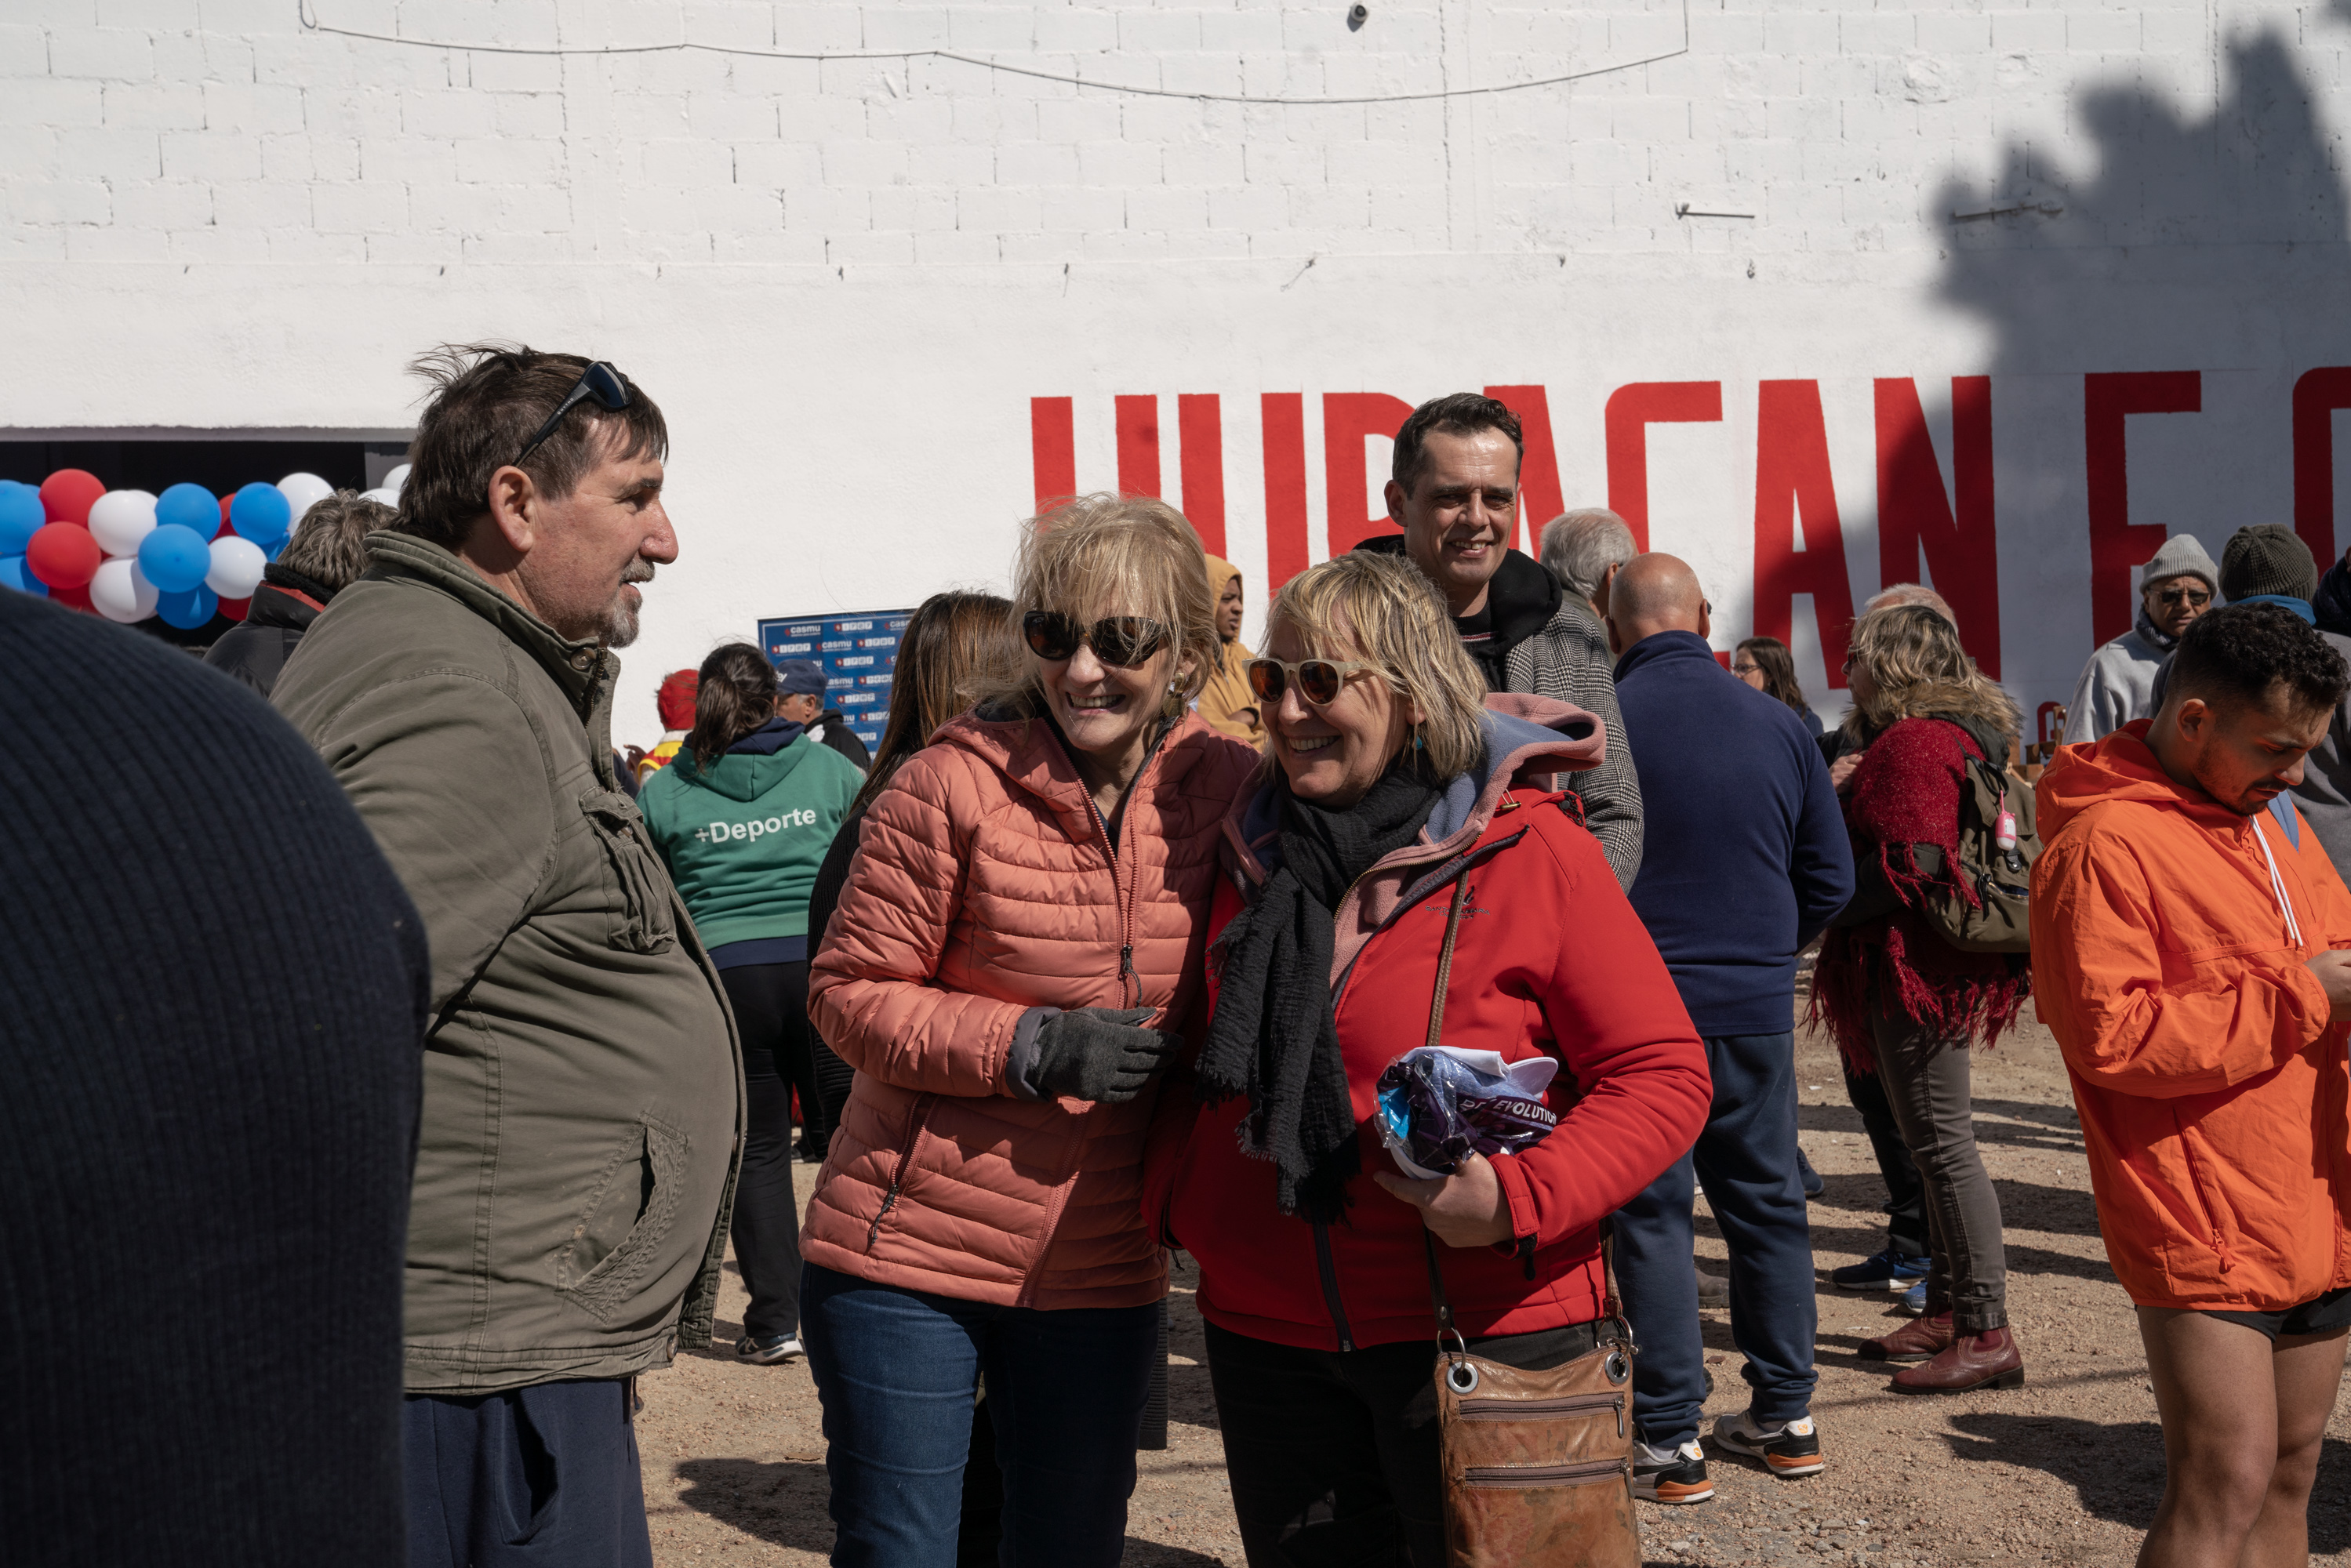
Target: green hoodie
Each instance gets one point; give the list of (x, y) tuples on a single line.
[(744, 836)]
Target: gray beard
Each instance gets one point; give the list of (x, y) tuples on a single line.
[(620, 625)]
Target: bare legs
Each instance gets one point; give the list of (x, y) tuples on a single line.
[(2243, 1416)]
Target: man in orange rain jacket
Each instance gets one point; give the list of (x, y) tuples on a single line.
[(2184, 921)]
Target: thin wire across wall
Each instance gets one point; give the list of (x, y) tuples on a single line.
[(311, 24)]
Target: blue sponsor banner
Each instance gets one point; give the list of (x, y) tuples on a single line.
[(858, 653)]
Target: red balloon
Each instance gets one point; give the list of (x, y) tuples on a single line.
[(225, 530), (234, 609), (63, 555), (73, 599), (67, 495)]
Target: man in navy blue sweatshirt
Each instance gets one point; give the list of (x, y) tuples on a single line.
[(1747, 859)]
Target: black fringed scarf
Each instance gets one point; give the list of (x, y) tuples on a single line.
[(1272, 1037)]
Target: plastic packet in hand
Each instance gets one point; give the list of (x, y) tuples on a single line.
[(1439, 1104)]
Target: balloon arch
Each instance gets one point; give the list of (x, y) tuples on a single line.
[(183, 556)]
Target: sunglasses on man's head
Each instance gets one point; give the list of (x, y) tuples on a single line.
[(1121, 642), (1319, 679), (599, 381), (2170, 597)]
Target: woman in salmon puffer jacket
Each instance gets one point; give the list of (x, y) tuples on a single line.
[(1008, 969), (1395, 782)]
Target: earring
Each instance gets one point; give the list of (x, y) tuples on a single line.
[(1417, 744)]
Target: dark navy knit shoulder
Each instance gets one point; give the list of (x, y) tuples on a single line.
[(214, 994)]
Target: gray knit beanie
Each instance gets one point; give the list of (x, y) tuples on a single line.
[(2267, 558), (2180, 556)]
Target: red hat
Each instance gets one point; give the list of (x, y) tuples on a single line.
[(675, 698)]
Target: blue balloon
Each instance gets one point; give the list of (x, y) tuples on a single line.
[(175, 557), (261, 513), (21, 517), (192, 507), (14, 575), (190, 609)]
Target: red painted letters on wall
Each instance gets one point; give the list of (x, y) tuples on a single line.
[(1052, 449), (1955, 532), (2118, 545), (1285, 486), (2316, 395), (1631, 411), (1200, 431), (1349, 419), (1539, 490), (1793, 490)]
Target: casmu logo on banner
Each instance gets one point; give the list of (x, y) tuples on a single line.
[(1935, 517)]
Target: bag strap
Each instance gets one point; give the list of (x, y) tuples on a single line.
[(1442, 1307)]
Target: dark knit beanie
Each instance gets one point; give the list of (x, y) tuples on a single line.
[(2267, 558)]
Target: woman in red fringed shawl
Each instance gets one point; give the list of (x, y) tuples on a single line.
[(1903, 1003)]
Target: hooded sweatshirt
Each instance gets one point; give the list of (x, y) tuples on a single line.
[(1227, 693), (744, 836), (2170, 939), (2117, 684)]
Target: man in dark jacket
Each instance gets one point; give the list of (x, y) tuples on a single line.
[(801, 687), (210, 1122), (1454, 494), (1747, 861), (327, 552), (583, 1087)]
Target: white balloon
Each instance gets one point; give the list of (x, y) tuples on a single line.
[(121, 518), (236, 567), (389, 497), (397, 480), (302, 492), (120, 592)]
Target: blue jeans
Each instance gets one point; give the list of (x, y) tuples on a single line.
[(897, 1371), (1746, 1158)]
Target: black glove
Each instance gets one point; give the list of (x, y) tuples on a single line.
[(1098, 1053)]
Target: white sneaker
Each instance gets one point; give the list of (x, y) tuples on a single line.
[(1670, 1476), (766, 1350)]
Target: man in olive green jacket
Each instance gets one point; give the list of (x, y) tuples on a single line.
[(583, 1088)]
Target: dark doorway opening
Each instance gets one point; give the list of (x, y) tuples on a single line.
[(348, 460)]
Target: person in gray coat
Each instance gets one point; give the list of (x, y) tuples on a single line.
[(583, 1088), (2118, 683), (1454, 494)]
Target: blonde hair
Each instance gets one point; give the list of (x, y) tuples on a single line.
[(1913, 658), (1103, 554), (1380, 610)]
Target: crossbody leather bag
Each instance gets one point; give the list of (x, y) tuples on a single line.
[(1538, 1466)]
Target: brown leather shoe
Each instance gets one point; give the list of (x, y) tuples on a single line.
[(1917, 1340), (1974, 1361)]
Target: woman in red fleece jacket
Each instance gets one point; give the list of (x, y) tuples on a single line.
[(1325, 941)]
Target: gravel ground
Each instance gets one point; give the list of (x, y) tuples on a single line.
[(2066, 1469)]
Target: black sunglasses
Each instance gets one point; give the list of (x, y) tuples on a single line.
[(1122, 642), (599, 381)]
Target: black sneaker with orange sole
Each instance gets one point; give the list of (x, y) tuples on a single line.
[(1670, 1476), (1790, 1451)]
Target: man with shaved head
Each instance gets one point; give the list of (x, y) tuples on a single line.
[(1746, 861)]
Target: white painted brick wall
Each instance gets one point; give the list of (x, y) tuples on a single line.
[(132, 125)]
